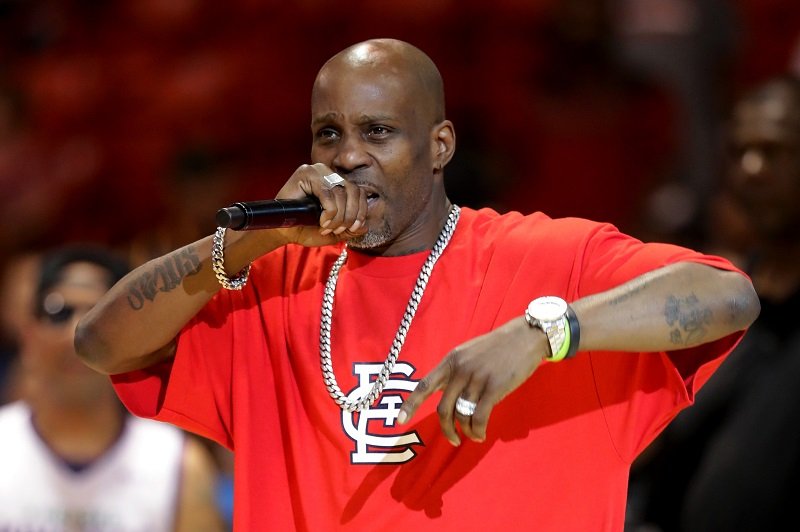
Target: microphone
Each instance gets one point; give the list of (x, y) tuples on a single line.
[(269, 214)]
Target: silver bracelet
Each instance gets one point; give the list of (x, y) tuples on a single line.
[(236, 282)]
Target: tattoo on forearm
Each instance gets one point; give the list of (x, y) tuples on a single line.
[(633, 289), (688, 319), (164, 277)]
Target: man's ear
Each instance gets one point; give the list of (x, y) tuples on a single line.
[(444, 144)]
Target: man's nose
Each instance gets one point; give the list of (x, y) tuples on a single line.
[(351, 154)]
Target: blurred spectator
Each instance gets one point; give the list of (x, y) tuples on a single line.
[(200, 183), (733, 462), (18, 277), (71, 457)]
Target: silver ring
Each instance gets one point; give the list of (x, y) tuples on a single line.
[(333, 180), (464, 407)]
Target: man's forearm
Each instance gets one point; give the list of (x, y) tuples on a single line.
[(679, 306), (135, 323)]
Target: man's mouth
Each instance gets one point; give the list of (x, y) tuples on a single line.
[(372, 195)]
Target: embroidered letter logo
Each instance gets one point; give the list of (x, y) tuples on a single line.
[(364, 427)]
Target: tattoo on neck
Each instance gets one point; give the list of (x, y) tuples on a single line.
[(165, 276)]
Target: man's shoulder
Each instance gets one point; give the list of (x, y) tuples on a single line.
[(514, 225)]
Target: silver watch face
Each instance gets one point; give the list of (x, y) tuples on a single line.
[(548, 308)]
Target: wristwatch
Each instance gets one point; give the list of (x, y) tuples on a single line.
[(549, 313)]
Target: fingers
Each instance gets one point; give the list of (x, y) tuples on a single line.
[(346, 212), (476, 401), (469, 404), (425, 387), (456, 383), (344, 205), (447, 405), (332, 180), (474, 427), (334, 204)]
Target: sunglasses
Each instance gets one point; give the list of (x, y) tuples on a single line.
[(56, 311), (60, 316)]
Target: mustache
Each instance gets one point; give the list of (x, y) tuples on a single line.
[(366, 184)]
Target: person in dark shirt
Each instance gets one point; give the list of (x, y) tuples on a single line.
[(732, 462)]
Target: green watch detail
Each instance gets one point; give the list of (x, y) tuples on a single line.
[(552, 315)]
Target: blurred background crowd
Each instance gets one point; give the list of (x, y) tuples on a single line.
[(129, 123), (122, 120)]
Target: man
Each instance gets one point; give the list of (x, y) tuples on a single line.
[(289, 365), (731, 462), (71, 457)]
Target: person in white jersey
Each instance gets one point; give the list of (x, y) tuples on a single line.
[(71, 458)]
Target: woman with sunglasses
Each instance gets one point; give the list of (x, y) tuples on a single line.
[(72, 458)]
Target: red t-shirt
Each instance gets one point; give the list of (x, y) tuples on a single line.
[(558, 449)]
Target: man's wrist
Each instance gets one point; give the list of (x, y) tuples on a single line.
[(554, 317)]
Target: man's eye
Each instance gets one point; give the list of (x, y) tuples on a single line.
[(327, 134), (378, 131)]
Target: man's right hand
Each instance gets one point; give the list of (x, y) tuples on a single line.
[(344, 207)]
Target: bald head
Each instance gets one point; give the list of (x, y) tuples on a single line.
[(392, 57), (377, 119)]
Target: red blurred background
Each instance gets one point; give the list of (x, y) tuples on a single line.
[(130, 123)]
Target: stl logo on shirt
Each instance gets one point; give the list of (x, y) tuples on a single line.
[(368, 427)]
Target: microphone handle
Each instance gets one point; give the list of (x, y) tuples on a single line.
[(269, 214)]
